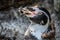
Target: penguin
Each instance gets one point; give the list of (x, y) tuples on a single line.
[(42, 26)]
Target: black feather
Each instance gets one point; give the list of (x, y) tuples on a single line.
[(45, 10)]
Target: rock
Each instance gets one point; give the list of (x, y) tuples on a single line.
[(6, 4)]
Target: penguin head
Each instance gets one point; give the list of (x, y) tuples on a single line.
[(37, 15)]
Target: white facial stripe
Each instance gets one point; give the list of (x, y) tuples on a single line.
[(38, 10), (46, 15)]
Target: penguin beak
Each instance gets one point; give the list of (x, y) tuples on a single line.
[(25, 11), (28, 13)]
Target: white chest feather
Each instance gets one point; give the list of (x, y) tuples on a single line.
[(37, 30)]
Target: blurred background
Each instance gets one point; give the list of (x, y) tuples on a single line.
[(13, 24)]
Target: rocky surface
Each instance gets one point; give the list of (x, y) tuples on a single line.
[(12, 27), (6, 4), (57, 12), (13, 24)]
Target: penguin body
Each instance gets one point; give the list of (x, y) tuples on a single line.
[(40, 21)]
